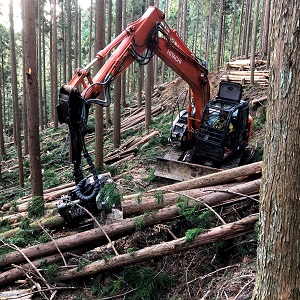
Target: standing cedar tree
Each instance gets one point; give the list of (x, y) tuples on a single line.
[(278, 256), (31, 88)]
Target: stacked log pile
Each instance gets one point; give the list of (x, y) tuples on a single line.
[(223, 188), (239, 71)]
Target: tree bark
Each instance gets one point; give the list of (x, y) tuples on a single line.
[(99, 44), (278, 259), (17, 273), (253, 42), (215, 178), (117, 90), (31, 86), (54, 67), (14, 84), (221, 233), (220, 34), (131, 206)]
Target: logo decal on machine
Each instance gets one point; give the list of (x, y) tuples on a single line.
[(174, 56)]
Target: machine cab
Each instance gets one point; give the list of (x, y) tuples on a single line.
[(224, 127)]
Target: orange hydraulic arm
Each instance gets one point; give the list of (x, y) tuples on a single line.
[(140, 41), (139, 36)]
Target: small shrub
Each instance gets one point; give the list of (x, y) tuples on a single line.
[(51, 270), (139, 198), (139, 223), (191, 234), (147, 283), (36, 208), (110, 195), (151, 177), (159, 196)]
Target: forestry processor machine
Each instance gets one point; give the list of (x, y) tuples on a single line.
[(209, 133)]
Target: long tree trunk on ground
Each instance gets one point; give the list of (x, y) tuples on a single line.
[(278, 272), (17, 127), (31, 87)]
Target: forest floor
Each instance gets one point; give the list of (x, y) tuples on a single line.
[(224, 270)]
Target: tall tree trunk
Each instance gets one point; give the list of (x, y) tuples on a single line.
[(69, 40), (44, 72), (39, 53), (32, 89), (163, 67), (253, 42), (278, 259), (265, 29), (208, 33), (79, 37), (25, 119), (2, 148), (109, 34), (220, 34), (184, 17), (117, 100), (155, 60), (64, 45), (99, 44), (239, 51), (247, 19), (91, 31), (76, 35), (14, 84), (233, 30), (148, 88), (123, 75), (54, 87), (248, 30)]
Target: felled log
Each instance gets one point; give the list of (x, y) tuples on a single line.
[(248, 73), (130, 148), (90, 238), (221, 233), (17, 273), (258, 100), (96, 237), (125, 159), (46, 223), (210, 196), (222, 177), (24, 294)]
